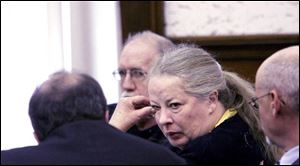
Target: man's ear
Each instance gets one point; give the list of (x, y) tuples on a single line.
[(275, 103), (106, 116), (36, 137)]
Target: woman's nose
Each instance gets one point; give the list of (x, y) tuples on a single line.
[(164, 117)]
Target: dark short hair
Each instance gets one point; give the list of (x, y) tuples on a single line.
[(64, 98)]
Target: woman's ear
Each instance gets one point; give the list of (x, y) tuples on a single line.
[(213, 98)]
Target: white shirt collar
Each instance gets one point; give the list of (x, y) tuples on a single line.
[(290, 156)]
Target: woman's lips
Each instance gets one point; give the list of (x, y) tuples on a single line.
[(174, 135)]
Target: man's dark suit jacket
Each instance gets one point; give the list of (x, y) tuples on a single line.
[(296, 162), (90, 142)]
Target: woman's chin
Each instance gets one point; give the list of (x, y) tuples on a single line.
[(179, 142)]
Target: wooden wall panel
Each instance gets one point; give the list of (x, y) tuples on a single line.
[(137, 16)]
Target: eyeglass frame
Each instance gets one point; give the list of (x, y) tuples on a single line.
[(134, 74), (253, 101), (254, 104)]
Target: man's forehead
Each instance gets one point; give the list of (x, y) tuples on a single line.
[(137, 60), (140, 46)]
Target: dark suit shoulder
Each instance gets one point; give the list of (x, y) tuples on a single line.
[(296, 162), (111, 108), (90, 142)]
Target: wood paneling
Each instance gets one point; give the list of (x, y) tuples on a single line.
[(242, 47), (137, 16), (245, 68), (242, 54)]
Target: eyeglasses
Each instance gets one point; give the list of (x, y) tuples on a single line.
[(253, 101), (135, 74)]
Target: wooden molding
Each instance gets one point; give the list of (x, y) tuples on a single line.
[(240, 40), (253, 47)]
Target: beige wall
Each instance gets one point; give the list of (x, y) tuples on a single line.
[(206, 18)]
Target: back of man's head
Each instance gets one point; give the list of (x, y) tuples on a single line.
[(64, 98), (281, 72)]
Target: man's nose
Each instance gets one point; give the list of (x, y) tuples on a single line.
[(128, 84)]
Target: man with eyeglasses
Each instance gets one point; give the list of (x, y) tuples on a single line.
[(277, 90), (137, 57)]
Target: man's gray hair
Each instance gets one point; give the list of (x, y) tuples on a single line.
[(160, 42)]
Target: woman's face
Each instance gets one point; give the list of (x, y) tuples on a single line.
[(180, 116)]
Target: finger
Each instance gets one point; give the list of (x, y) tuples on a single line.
[(145, 112), (134, 102), (140, 102), (139, 99)]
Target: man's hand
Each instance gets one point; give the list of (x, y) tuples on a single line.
[(129, 111)]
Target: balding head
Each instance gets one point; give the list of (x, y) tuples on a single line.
[(59, 83), (281, 72), (286, 55), (64, 98)]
